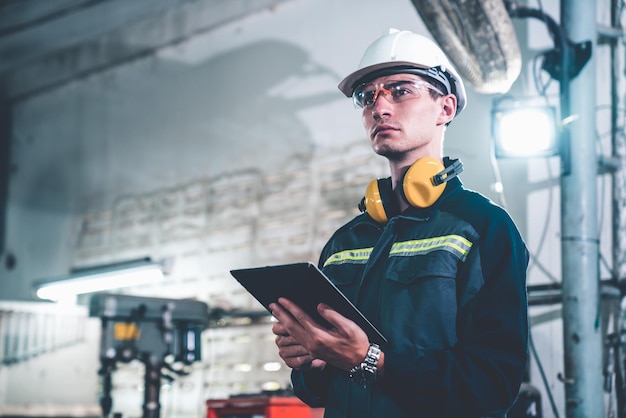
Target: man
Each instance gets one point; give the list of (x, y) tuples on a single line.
[(439, 269)]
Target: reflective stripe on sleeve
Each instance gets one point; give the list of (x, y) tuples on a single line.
[(356, 256)]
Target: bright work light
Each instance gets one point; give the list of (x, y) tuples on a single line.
[(523, 132)]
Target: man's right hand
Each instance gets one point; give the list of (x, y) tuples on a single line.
[(293, 353)]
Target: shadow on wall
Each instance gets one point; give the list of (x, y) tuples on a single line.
[(243, 105)]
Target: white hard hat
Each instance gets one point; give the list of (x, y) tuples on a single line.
[(404, 51)]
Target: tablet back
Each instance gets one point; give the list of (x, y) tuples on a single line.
[(306, 286)]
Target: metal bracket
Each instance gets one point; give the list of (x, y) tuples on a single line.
[(579, 56)]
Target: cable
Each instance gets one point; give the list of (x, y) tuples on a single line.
[(600, 152), (537, 67), (499, 189), (544, 234), (543, 375)]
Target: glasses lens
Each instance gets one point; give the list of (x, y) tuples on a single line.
[(366, 95), (363, 96)]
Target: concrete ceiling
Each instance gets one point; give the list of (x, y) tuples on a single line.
[(46, 44)]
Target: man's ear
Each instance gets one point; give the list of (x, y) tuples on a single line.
[(448, 108)]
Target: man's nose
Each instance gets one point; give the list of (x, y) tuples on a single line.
[(381, 107), (379, 90)]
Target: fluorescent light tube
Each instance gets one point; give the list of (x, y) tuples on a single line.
[(101, 278)]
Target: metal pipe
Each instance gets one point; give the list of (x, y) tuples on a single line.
[(582, 334), (618, 153)]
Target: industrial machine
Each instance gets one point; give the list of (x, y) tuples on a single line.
[(163, 334)]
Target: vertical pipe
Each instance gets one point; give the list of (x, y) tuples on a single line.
[(579, 242), (618, 207), (618, 149)]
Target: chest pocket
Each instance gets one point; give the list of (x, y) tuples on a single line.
[(408, 270), (420, 287), (433, 261)]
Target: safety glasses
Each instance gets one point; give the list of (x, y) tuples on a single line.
[(365, 96)]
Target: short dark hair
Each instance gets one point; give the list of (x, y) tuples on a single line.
[(438, 85)]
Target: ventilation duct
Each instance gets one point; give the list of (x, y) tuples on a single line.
[(479, 38)]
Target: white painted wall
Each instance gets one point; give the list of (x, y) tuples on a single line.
[(233, 149)]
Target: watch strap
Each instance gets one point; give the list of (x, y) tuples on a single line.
[(373, 356)]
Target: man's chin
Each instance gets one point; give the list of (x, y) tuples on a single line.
[(390, 154)]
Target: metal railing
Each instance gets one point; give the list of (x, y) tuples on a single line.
[(29, 329)]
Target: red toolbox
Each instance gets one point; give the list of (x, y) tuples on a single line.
[(261, 407)]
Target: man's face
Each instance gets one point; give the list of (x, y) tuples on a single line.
[(401, 117)]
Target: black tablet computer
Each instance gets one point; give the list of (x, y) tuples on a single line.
[(305, 285)]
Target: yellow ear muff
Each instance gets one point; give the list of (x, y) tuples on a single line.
[(417, 185), (373, 202)]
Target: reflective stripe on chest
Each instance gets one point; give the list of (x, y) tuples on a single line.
[(455, 244)]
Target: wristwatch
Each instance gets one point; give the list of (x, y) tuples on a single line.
[(365, 373)]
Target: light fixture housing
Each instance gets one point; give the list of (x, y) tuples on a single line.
[(100, 278), (524, 130)]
